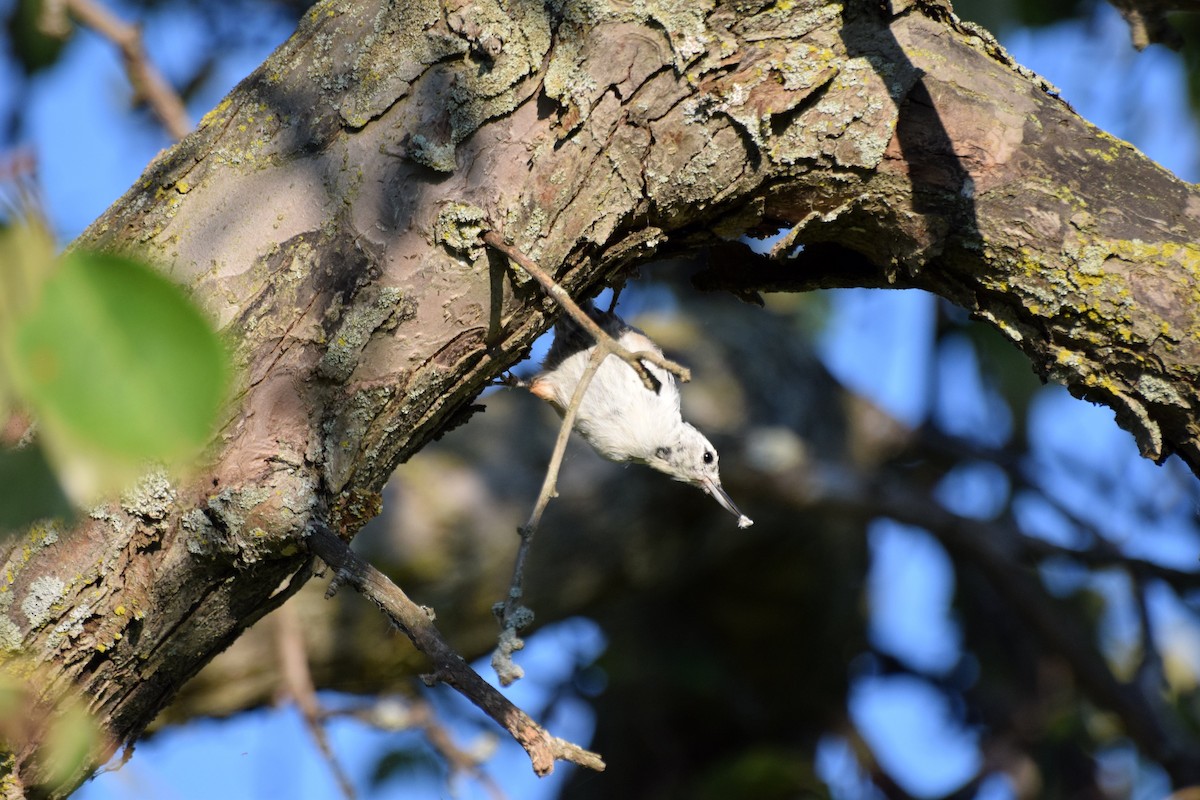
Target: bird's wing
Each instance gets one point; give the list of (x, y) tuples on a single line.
[(570, 337), (635, 341)]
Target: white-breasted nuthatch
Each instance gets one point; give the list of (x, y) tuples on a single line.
[(622, 419)]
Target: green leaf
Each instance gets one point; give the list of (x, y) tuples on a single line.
[(34, 50), (115, 361), (29, 490), (26, 259), (405, 763)]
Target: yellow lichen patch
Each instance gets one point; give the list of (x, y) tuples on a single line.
[(120, 611), (219, 109), (1107, 156), (1065, 194)]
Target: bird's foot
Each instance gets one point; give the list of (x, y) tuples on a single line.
[(511, 380)]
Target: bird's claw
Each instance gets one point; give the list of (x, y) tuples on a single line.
[(511, 380)]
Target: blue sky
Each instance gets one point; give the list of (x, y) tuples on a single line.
[(876, 342)]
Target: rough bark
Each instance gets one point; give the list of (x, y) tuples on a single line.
[(327, 215)]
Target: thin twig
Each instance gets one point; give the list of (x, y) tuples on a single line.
[(1149, 674), (417, 713), (297, 679), (148, 83), (451, 668), (512, 614), (426, 718), (496, 241)]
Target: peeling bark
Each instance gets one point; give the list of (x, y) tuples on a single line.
[(328, 213)]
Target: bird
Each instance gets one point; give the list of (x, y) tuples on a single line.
[(619, 416)]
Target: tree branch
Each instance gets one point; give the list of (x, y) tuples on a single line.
[(988, 546), (360, 341), (298, 683), (450, 668), (148, 83)]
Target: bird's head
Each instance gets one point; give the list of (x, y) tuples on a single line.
[(691, 458)]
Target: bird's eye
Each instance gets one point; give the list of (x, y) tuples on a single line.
[(708, 457)]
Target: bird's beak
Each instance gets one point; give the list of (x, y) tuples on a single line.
[(714, 488)]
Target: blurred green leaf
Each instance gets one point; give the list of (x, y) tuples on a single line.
[(406, 763), (764, 773), (29, 490), (33, 48), (72, 736), (117, 364), (27, 258)]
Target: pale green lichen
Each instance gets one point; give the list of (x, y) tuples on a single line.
[(378, 68), (565, 80), (200, 532), (358, 323), (438, 156), (43, 534), (151, 498), (1157, 390), (345, 431), (10, 635), (856, 113), (71, 627), (459, 227), (230, 530), (42, 594)]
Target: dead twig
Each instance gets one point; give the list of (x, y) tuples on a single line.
[(496, 241), (450, 667), (148, 83), (512, 614), (396, 713)]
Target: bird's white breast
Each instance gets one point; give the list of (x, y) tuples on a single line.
[(619, 416)]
